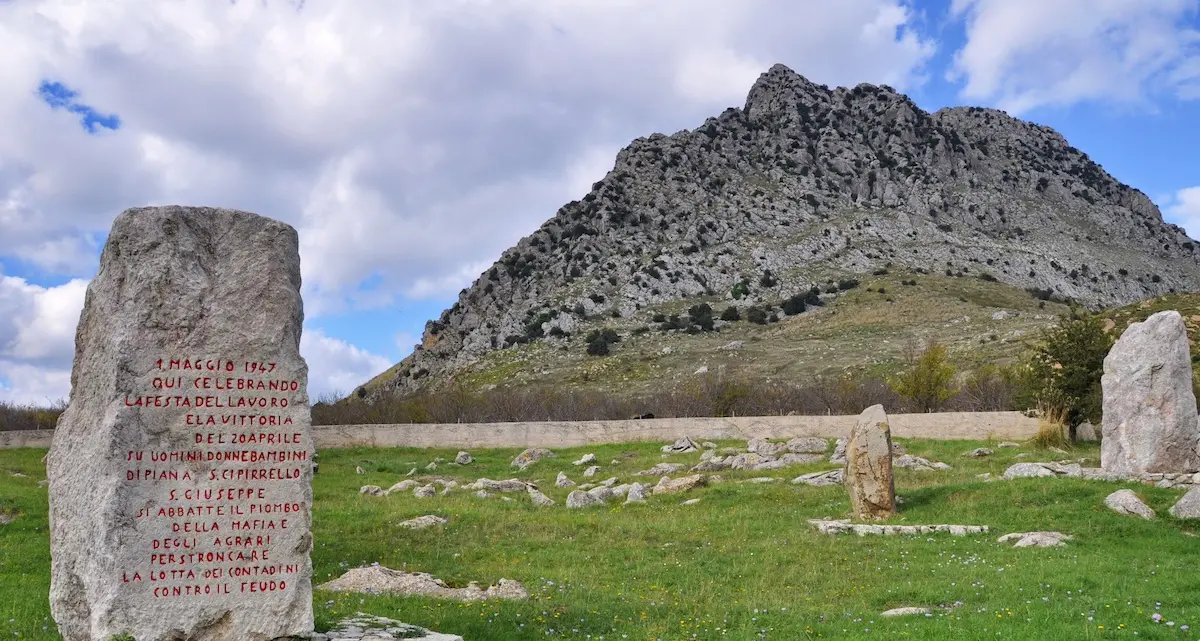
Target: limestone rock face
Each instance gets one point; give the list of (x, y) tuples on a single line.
[(1149, 407), (869, 466), (188, 399)]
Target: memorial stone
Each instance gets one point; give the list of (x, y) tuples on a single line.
[(180, 495)]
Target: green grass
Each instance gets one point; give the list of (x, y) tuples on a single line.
[(743, 564)]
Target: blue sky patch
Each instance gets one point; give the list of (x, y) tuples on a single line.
[(60, 96)]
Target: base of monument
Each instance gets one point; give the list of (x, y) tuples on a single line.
[(368, 627)]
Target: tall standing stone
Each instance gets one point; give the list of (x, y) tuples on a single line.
[(1149, 407), (180, 496), (869, 477)]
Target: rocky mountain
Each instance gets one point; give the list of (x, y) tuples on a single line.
[(801, 188)]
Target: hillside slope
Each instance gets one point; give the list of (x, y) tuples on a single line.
[(801, 186)]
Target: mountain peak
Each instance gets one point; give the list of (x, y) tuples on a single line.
[(802, 187)]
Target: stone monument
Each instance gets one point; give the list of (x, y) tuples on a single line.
[(1149, 407), (869, 478), (180, 496)]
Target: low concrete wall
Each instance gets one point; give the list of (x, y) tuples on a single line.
[(25, 438), (942, 426)]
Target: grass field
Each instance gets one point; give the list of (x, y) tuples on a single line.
[(742, 564)]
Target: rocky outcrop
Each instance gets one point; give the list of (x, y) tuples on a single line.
[(869, 476), (1035, 539), (1149, 407), (376, 579)]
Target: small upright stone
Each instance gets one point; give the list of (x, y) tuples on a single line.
[(464, 458), (1149, 407), (563, 481), (869, 477), (194, 312)]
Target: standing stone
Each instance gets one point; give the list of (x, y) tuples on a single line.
[(181, 470), (869, 466), (1149, 407)]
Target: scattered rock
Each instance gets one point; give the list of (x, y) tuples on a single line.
[(765, 448), (464, 458), (18, 475), (377, 579), (585, 459), (508, 485), (483, 494), (591, 471), (707, 455), (869, 466), (681, 446), (1027, 470), (667, 485), (662, 469), (808, 445), (1150, 422), (358, 470), (402, 486), (563, 481), (745, 461), (839, 452), (637, 494), (539, 499), (602, 492), (7, 517), (422, 522), (900, 612), (917, 463), (822, 479), (1035, 539), (733, 345), (1126, 502), (762, 479), (411, 472), (373, 490), (1008, 444), (788, 460), (621, 490), (610, 481), (424, 492), (865, 529), (1085, 432), (432, 466), (1188, 507), (531, 456), (703, 369), (690, 502), (368, 627), (708, 445), (579, 498), (1002, 315), (714, 464), (980, 452)]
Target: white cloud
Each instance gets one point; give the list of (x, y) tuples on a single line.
[(409, 142), (1022, 54), (37, 338), (335, 366), (1183, 209)]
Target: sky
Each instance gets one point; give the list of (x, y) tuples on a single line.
[(411, 142)]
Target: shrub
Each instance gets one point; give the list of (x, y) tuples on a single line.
[(756, 315), (598, 347), (768, 280), (740, 289), (880, 272), (731, 315), (658, 317), (794, 305), (1062, 370), (928, 380), (847, 283)]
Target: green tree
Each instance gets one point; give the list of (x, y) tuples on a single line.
[(929, 379), (1062, 369)]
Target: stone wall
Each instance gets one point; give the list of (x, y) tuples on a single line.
[(942, 426)]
